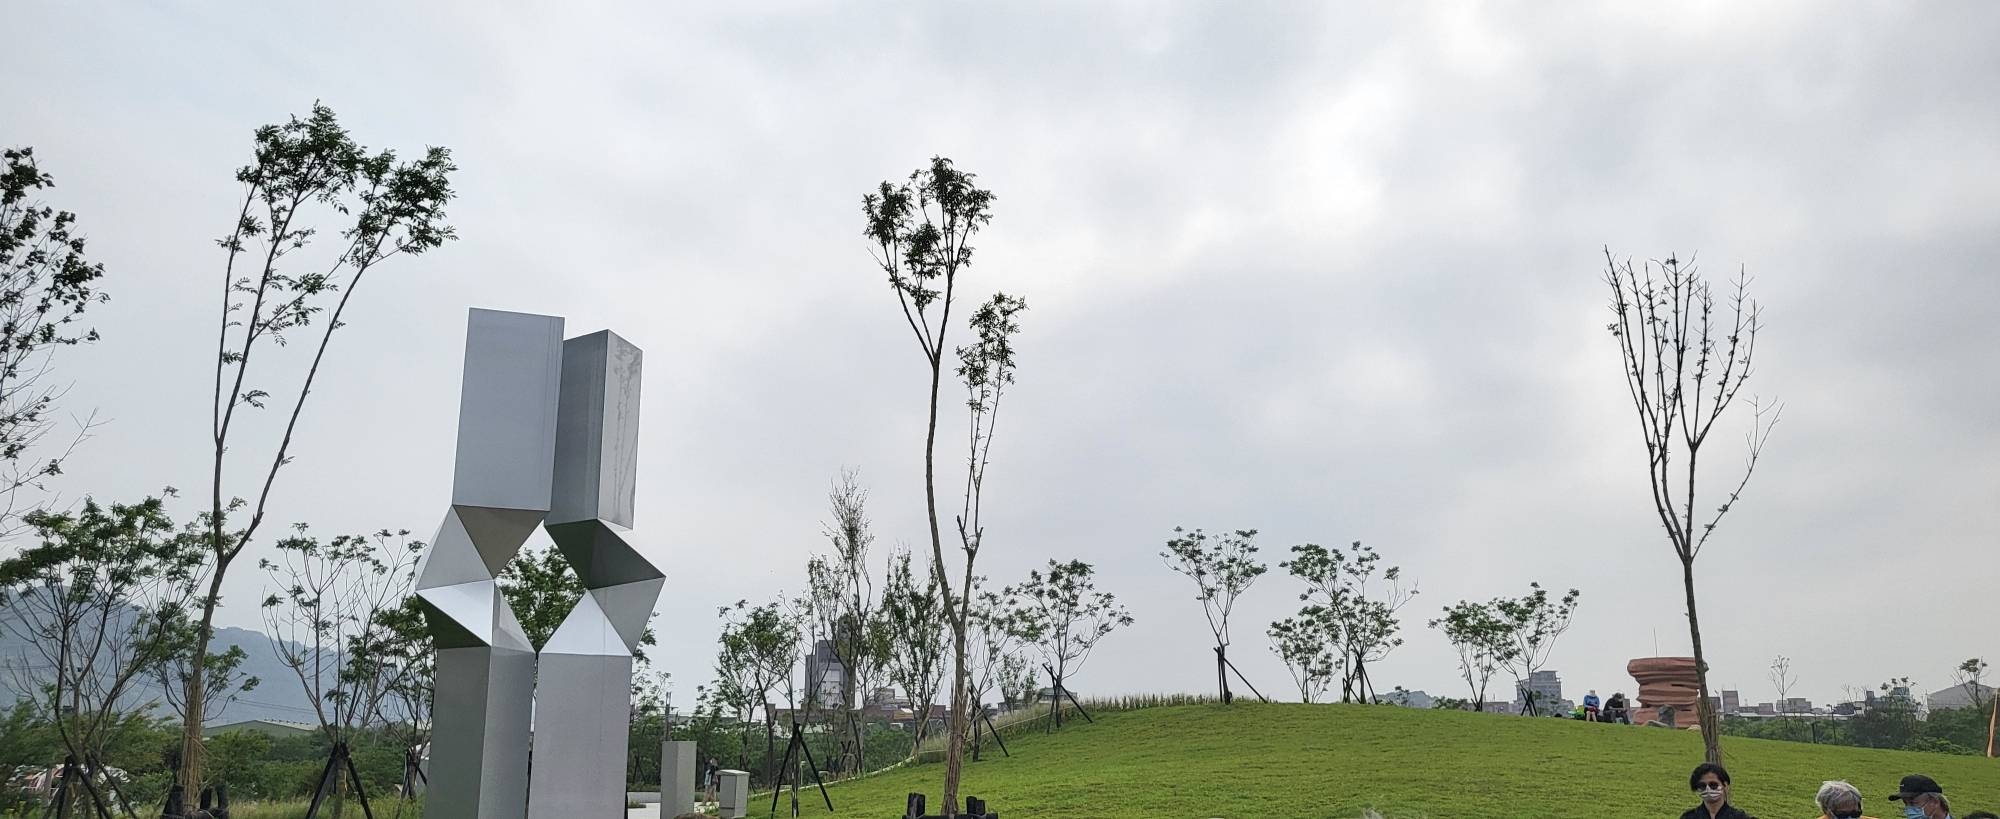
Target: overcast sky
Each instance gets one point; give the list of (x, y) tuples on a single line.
[(1329, 273)]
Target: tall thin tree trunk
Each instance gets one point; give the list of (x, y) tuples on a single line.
[(770, 755), (190, 773), (1704, 713)]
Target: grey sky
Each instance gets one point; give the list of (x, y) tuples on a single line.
[(1328, 273)]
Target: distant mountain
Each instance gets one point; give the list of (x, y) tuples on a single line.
[(278, 695)]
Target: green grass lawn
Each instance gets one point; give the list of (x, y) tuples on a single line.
[(1253, 760)]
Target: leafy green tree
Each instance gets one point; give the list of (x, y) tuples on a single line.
[(101, 601), (913, 618), (1971, 677), (1483, 641), (996, 651), (1684, 364), (922, 231), (1222, 568), (1063, 616), (1303, 642), (1891, 720), (1361, 627), (384, 207), (46, 283), (761, 644), (1533, 622)]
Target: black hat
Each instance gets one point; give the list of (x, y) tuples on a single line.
[(1915, 784)]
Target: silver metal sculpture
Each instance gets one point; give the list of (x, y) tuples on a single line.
[(548, 433), (500, 492), (583, 701)]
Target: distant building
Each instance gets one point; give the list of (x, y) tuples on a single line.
[(1767, 709), (1547, 688), (826, 676), (1796, 705), (1959, 696), (1732, 700)]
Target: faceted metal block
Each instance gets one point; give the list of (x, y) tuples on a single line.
[(582, 728), (677, 772), (600, 554), (507, 410), (479, 751), (597, 436), (733, 798)]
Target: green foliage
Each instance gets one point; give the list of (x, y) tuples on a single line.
[(1533, 622), (46, 283), (913, 619), (921, 230), (101, 597), (1359, 627), (1483, 637), (1258, 760), (1301, 642), (302, 171), (1062, 614), (1222, 568)]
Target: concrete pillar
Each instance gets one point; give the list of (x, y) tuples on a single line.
[(734, 795), (677, 772)]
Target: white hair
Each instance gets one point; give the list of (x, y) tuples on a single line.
[(1837, 794)]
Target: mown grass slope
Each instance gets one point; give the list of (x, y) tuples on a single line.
[(1287, 760)]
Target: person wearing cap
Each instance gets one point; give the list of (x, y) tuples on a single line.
[(1711, 782), (1922, 798), (1617, 709), (1839, 800)]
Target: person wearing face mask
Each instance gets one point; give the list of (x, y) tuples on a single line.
[(1922, 798), (1839, 800), (1710, 782)]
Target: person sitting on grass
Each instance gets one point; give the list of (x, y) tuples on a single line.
[(1922, 798), (1617, 709), (1839, 800), (1710, 782), (1590, 705)]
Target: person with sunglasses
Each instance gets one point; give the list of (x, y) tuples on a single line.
[(1922, 798), (1710, 782), (1839, 800)]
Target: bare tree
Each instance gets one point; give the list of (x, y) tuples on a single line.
[(45, 285), (330, 618), (922, 232), (1685, 362), (388, 208), (1782, 679), (101, 603), (1222, 568), (844, 581)]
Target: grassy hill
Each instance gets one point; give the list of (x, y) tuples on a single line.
[(1253, 760)]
